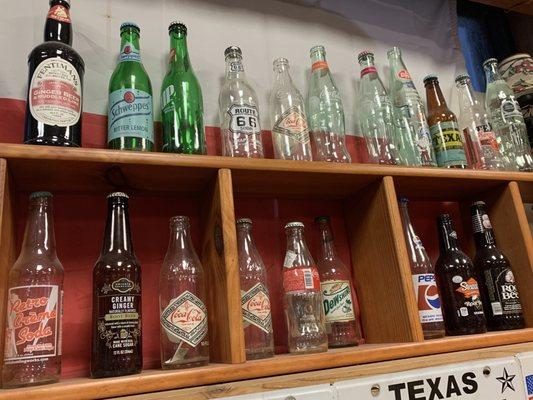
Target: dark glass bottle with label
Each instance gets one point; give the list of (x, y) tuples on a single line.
[(55, 80), (117, 341), (498, 288), (457, 284)]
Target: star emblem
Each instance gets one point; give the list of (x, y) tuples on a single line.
[(506, 380)]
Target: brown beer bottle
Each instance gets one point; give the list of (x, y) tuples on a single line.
[(117, 341), (457, 284), (448, 141)]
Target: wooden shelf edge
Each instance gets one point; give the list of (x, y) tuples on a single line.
[(157, 380)]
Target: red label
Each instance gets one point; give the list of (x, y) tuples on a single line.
[(488, 139), (51, 92), (368, 70), (301, 279), (403, 74), (59, 13), (319, 65)]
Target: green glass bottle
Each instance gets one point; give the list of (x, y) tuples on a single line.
[(130, 117), (182, 110)]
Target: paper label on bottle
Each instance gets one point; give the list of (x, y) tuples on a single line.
[(319, 65), (502, 291), (368, 70), (255, 306), (55, 93), (32, 323), (185, 318), (510, 109), (448, 144), (466, 292), (301, 279), (244, 119), (487, 138), (293, 123), (59, 13), (405, 78), (130, 115), (427, 298), (338, 302), (129, 53)]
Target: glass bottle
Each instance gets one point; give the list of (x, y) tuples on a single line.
[(290, 133), (410, 118), (302, 300), (116, 335), (239, 111), (481, 141), (183, 314), (500, 296), (325, 112), (255, 299), (130, 122), (448, 141), (340, 306), (182, 109), (423, 273), (376, 114), (32, 353), (458, 284), (506, 118)]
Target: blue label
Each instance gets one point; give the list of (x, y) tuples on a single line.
[(130, 114), (129, 53)]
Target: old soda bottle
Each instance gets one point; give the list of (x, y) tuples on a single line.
[(482, 144), (501, 301), (32, 354), (130, 121), (458, 284), (255, 299), (506, 118), (448, 141), (340, 306), (182, 110), (116, 336), (239, 111), (376, 114), (302, 299), (55, 84), (183, 314), (427, 295), (410, 118), (290, 133), (325, 112)]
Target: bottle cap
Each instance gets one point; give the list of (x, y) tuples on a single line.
[(479, 203), (232, 49), (179, 218), (118, 194), (364, 53), (403, 200), (133, 25), (175, 25), (322, 218), (294, 224), (35, 195), (490, 61), (462, 77), (430, 77), (66, 2), (317, 48), (244, 221), (444, 218), (280, 60)]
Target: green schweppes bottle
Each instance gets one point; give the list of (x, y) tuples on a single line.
[(130, 117)]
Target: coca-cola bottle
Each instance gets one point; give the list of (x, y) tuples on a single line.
[(32, 354), (255, 300), (302, 299), (340, 307), (183, 314)]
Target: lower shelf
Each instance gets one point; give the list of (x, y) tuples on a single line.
[(158, 380)]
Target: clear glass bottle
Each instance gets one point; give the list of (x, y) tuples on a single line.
[(325, 112), (302, 300), (183, 314), (507, 120), (32, 353), (239, 111), (423, 273), (481, 141), (410, 118), (376, 114), (290, 133), (255, 299), (338, 293)]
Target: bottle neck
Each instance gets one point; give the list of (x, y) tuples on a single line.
[(318, 61), (395, 60), (117, 238), (368, 69), (129, 45), (283, 77), (234, 67), (296, 241), (180, 237), (39, 237), (244, 237), (466, 94), (327, 243), (491, 73), (434, 96), (447, 237), (58, 26), (179, 54)]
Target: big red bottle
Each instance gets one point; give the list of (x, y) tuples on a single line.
[(32, 354), (55, 82)]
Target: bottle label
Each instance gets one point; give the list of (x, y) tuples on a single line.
[(300, 279), (236, 66), (427, 298), (33, 329), (59, 13), (244, 120), (292, 123), (487, 138), (502, 291), (405, 78), (368, 70), (510, 109), (448, 144), (319, 65), (255, 306), (467, 296), (129, 53), (338, 304), (119, 316), (185, 319), (130, 114), (55, 93)]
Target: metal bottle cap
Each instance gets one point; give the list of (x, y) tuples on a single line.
[(403, 200), (66, 2), (430, 77), (232, 49), (479, 203), (294, 224), (364, 53), (35, 195), (243, 221), (177, 25), (490, 61), (133, 25), (461, 77), (118, 195), (322, 218)]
